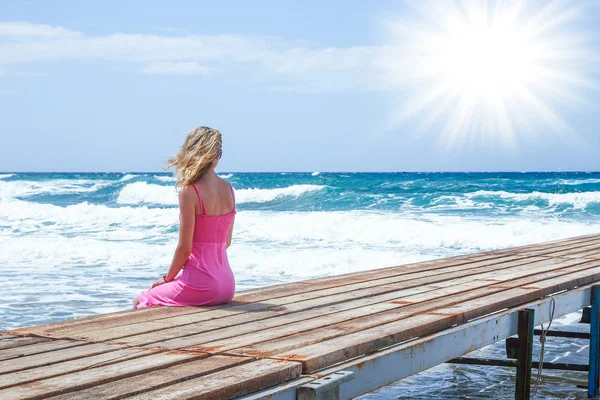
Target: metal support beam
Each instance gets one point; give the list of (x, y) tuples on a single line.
[(326, 388), (567, 334), (593, 375), (513, 363), (524, 358)]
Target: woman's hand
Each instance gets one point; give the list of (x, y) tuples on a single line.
[(159, 282)]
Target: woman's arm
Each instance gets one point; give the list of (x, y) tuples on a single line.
[(230, 233), (187, 219)]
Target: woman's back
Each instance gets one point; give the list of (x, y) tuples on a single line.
[(213, 218)]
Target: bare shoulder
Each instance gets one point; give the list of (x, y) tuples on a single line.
[(187, 194), (223, 183)]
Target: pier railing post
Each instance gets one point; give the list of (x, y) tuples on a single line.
[(593, 374), (524, 357)]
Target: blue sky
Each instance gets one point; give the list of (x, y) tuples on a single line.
[(293, 86)]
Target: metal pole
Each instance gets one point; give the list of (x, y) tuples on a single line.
[(524, 358), (593, 375)]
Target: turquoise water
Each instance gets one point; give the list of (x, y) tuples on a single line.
[(87, 243)]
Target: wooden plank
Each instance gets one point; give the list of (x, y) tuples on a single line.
[(342, 348), (161, 378), (17, 341), (210, 338), (52, 357), (128, 317), (592, 254), (44, 388), (230, 383), (36, 348), (326, 296), (592, 249), (66, 367), (267, 342)]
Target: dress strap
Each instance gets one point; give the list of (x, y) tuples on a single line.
[(202, 212), (232, 195)]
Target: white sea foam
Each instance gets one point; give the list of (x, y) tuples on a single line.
[(265, 195), (5, 176), (578, 200), (127, 177), (226, 176), (577, 181), (315, 173), (165, 178), (13, 189), (147, 193), (88, 233)]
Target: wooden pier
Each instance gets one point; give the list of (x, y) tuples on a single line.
[(338, 336)]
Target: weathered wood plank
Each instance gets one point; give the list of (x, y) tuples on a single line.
[(342, 348), (66, 367), (230, 383), (36, 348), (592, 249), (592, 253), (17, 341), (325, 296), (237, 334), (283, 338), (128, 317), (95, 376), (161, 378), (52, 357)]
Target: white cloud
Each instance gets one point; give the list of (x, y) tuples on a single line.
[(279, 62), (22, 30), (175, 68)]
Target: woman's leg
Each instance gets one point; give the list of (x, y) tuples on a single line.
[(136, 302)]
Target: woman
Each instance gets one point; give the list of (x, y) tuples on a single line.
[(207, 212)]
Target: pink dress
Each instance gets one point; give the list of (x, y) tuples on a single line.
[(206, 278)]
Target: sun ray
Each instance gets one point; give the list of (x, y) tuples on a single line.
[(492, 69)]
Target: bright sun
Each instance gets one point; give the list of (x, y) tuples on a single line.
[(489, 70)]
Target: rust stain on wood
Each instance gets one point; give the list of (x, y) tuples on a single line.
[(203, 349), (293, 357)]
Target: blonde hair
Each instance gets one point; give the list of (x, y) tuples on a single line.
[(202, 146)]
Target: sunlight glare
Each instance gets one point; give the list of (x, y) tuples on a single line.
[(487, 70)]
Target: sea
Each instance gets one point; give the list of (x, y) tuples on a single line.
[(78, 244)]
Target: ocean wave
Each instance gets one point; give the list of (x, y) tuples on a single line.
[(315, 173), (148, 193), (226, 176), (165, 178), (127, 177), (579, 200), (6, 176), (14, 189), (93, 221), (256, 195), (577, 181), (306, 243)]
